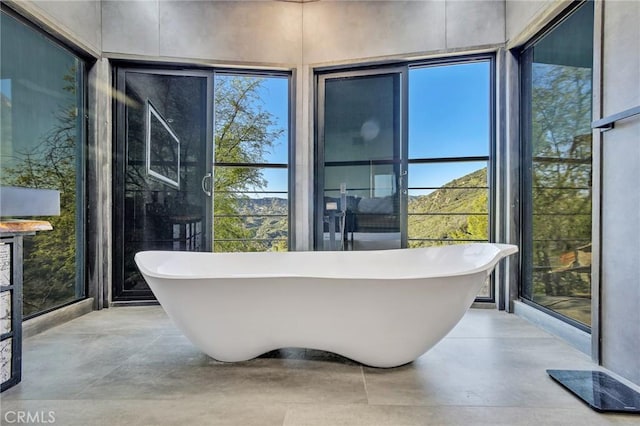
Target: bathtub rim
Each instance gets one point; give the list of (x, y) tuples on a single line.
[(504, 250)]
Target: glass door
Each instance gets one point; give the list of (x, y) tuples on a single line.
[(163, 170), (361, 160)]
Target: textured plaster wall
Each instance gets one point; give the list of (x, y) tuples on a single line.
[(343, 30), (77, 20), (620, 283), (522, 14), (287, 33), (241, 32)]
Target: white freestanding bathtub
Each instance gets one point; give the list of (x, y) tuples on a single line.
[(381, 308)]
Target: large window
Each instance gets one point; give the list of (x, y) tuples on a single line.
[(161, 157), (403, 156), (360, 165), (450, 136), (42, 146), (201, 165), (557, 99), (449, 141), (250, 171)]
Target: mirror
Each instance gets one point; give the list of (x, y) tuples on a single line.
[(163, 149)]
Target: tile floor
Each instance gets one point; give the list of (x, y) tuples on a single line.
[(131, 366)]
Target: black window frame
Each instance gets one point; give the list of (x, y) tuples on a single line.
[(490, 159), (289, 166), (119, 68)]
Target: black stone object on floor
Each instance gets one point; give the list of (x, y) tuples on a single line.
[(602, 392)]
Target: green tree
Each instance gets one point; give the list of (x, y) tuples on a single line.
[(477, 226), (245, 132), (561, 175), (438, 216)]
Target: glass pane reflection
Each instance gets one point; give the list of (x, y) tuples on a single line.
[(558, 255), (361, 203), (42, 146)]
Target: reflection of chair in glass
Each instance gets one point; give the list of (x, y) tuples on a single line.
[(334, 230), (368, 223), (373, 224), (333, 224)]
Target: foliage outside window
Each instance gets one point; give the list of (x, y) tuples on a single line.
[(250, 164), (42, 147), (557, 220), (199, 166)]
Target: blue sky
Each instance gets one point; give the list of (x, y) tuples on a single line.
[(449, 110), (448, 117), (5, 87), (275, 93)]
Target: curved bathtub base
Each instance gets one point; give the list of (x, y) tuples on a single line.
[(377, 321)]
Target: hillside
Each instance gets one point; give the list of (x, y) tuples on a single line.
[(439, 215), (268, 226), (430, 216)]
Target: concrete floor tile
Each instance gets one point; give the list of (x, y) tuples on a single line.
[(120, 320), (481, 372), (491, 323), (255, 381), (380, 415), (131, 366)]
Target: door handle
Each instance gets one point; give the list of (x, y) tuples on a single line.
[(204, 184), (403, 182)]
